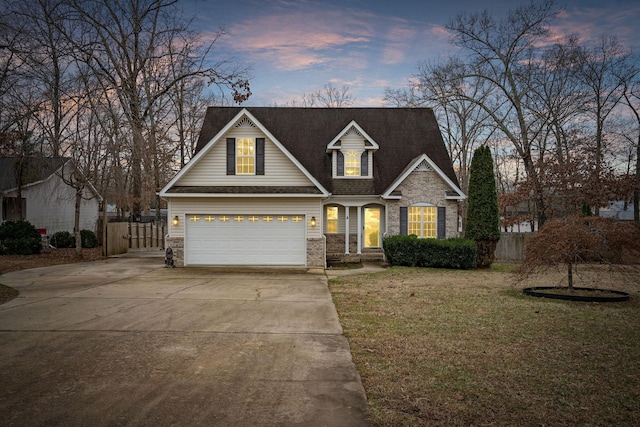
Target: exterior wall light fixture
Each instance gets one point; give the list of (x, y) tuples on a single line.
[(313, 221), (175, 220)]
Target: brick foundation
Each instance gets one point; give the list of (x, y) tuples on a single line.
[(335, 243), (315, 253)]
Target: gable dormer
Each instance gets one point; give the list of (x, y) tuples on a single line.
[(352, 153)]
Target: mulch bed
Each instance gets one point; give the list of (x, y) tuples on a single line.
[(47, 258)]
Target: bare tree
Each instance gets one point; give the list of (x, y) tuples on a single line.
[(329, 97), (557, 98), (606, 70), (502, 57), (119, 40), (463, 123), (631, 96)]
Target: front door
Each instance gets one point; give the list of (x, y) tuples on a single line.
[(371, 227)]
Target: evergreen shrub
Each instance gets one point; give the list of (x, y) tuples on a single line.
[(411, 251), (63, 239), (19, 238), (483, 219), (89, 239)]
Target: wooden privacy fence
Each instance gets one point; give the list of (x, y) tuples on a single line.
[(145, 235), (122, 236), (117, 238), (511, 247)]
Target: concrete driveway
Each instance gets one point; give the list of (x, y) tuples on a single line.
[(128, 342)]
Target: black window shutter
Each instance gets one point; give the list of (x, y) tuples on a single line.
[(364, 164), (442, 222), (231, 156), (340, 164), (259, 156), (404, 223)]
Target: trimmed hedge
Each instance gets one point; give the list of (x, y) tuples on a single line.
[(63, 239), (19, 238), (438, 253)]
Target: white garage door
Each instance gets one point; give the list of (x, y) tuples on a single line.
[(245, 240)]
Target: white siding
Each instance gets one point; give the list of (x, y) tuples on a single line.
[(51, 205), (212, 168), (352, 142), (309, 207)]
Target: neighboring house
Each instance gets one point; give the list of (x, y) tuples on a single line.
[(618, 210), (47, 201), (295, 186)]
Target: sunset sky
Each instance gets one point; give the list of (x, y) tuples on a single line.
[(296, 47)]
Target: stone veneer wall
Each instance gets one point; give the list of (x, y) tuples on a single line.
[(177, 244), (423, 187)]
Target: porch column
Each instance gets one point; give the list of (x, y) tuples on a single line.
[(346, 229), (359, 229)]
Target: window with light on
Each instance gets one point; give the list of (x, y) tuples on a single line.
[(332, 219), (245, 156), (422, 221), (352, 163)]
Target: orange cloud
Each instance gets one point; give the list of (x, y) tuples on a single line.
[(297, 40)]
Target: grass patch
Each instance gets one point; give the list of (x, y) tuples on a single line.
[(7, 293), (452, 347)]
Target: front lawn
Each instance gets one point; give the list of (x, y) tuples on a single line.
[(445, 347)]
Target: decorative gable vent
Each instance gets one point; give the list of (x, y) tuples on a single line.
[(424, 167), (352, 131), (245, 123)]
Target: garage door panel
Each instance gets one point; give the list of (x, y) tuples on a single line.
[(245, 240)]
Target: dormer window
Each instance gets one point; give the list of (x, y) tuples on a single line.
[(352, 164), (352, 153)]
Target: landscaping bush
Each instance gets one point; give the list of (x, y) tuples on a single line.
[(89, 239), (401, 250), (414, 252), (19, 238), (63, 239)]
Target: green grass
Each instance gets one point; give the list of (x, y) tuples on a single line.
[(445, 347)]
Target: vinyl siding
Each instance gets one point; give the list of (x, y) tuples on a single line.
[(51, 205), (270, 206), (212, 168)]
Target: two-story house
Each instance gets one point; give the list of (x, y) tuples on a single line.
[(293, 186)]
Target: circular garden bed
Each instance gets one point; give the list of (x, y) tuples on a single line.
[(578, 294)]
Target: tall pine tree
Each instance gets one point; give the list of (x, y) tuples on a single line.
[(483, 220)]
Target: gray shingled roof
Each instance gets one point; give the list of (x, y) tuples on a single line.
[(36, 169), (402, 134)]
